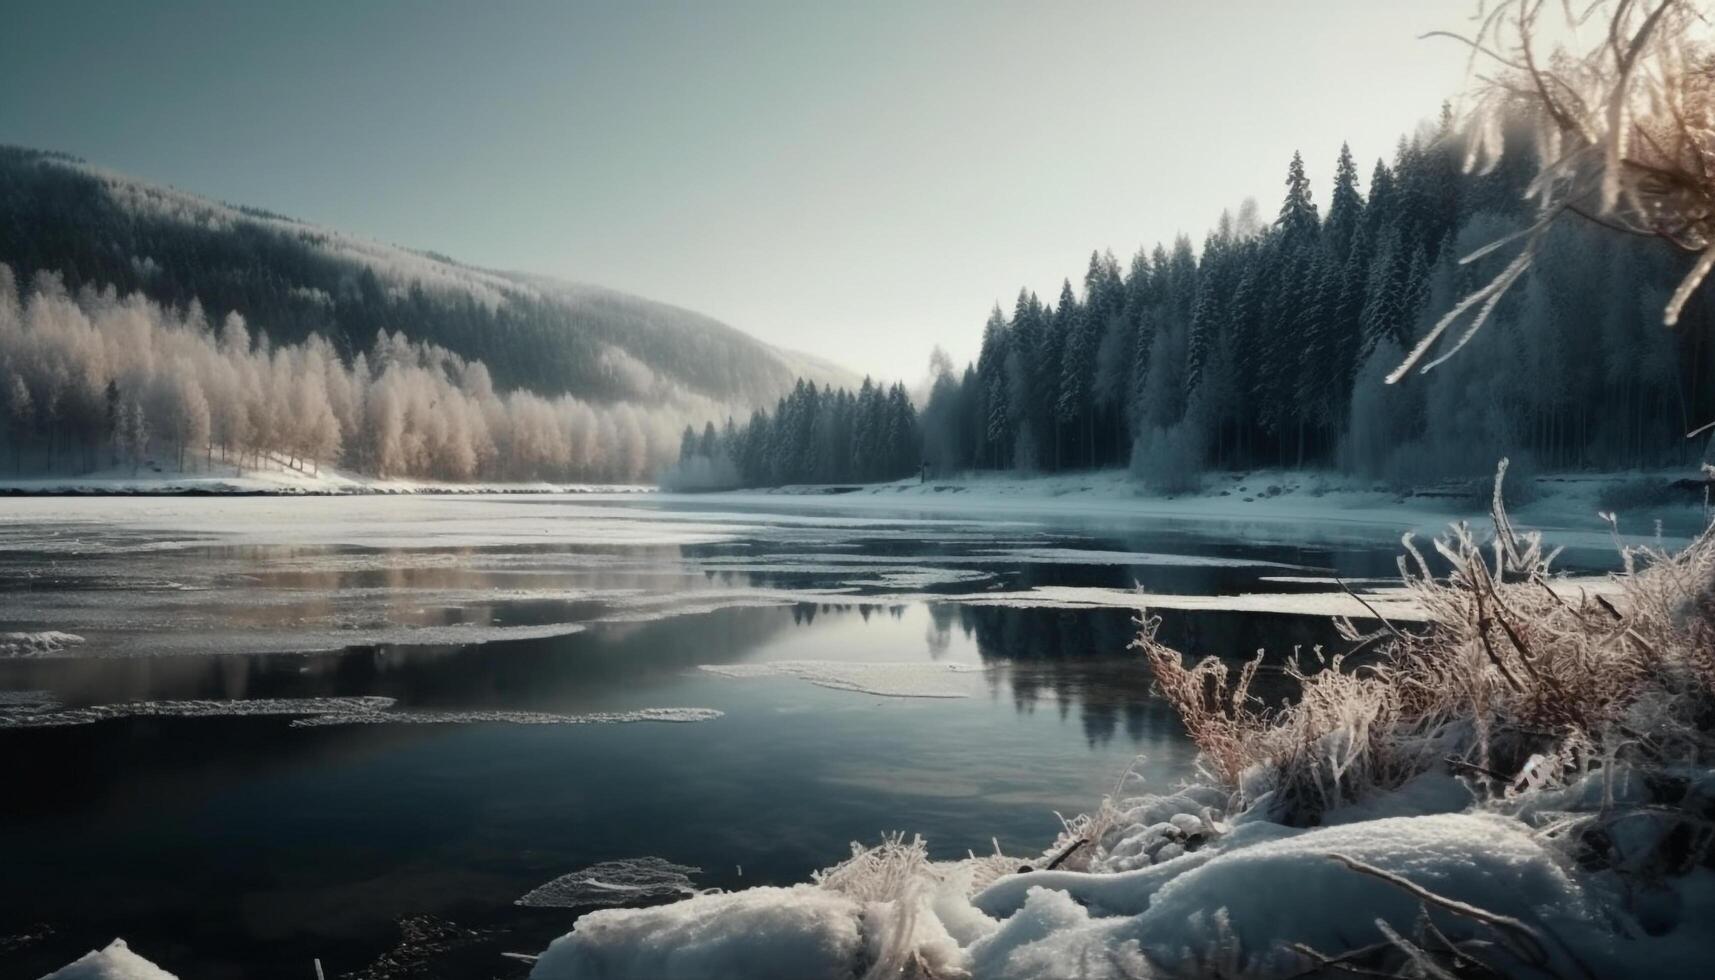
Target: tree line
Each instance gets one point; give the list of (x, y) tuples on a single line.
[(814, 435), (100, 229), (1270, 345), (92, 380)]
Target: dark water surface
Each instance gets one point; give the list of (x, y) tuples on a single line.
[(225, 846)]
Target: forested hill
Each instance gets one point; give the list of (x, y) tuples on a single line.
[(291, 279), (1270, 346)]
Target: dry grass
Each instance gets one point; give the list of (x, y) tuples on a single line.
[(1513, 684)]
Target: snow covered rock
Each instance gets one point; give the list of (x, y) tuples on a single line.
[(116, 962)]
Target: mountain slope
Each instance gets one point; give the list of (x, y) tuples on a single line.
[(290, 278)]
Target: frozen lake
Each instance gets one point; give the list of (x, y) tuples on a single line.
[(245, 732)]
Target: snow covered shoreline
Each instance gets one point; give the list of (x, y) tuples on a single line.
[(1556, 500), (1288, 499), (228, 481)]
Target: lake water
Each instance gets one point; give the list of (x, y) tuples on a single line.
[(223, 844)]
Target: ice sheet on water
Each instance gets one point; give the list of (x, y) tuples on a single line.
[(667, 715), (1085, 556), (168, 638), (1395, 604), (25, 717), (614, 883), (694, 609), (1325, 580), (926, 578), (887, 679), (650, 608), (40, 644), (27, 702)]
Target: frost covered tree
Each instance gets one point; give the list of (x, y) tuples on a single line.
[(96, 376)]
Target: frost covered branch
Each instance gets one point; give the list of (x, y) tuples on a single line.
[(1515, 680), (1620, 97)]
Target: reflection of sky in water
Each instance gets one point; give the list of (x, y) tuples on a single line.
[(304, 840), (246, 847)]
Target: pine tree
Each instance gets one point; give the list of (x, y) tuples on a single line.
[(687, 445), (1298, 221), (1071, 403), (1384, 296), (1348, 313), (1345, 206), (1379, 213), (1205, 321), (991, 385)]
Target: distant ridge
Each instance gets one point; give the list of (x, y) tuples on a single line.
[(290, 278)]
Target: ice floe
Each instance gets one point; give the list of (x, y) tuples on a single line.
[(14, 717), (614, 883), (41, 644), (30, 709), (667, 715), (886, 679), (27, 702)]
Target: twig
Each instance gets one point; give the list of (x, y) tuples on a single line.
[(1060, 858)]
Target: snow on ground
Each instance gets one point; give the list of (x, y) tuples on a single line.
[(1560, 501), (798, 933), (115, 962), (905, 679), (1172, 882)]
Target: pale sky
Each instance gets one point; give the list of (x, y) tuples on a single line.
[(861, 181)]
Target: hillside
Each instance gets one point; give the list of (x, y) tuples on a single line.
[(289, 279)]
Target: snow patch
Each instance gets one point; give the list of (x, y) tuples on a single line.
[(116, 962), (797, 933)]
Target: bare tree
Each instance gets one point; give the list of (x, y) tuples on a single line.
[(1620, 96)]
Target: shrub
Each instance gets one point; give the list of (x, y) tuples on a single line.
[(1520, 679)]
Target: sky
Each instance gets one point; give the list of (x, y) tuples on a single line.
[(861, 181)]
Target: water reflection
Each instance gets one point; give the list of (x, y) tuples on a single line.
[(236, 847)]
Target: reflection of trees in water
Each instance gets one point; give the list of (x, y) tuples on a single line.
[(1080, 658)]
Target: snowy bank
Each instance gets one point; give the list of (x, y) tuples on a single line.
[(1550, 500), (224, 479)]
